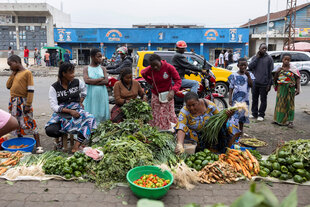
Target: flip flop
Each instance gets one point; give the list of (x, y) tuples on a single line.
[(39, 150)]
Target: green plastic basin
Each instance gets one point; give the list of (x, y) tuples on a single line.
[(151, 193)]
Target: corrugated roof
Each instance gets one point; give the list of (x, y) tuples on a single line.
[(273, 16)]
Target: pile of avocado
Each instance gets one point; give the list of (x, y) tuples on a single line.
[(201, 159), (284, 166)]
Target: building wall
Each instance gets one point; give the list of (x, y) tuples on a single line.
[(205, 41), (36, 29)]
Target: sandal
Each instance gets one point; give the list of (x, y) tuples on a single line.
[(290, 125), (39, 150)]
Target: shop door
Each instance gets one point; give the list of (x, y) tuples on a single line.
[(83, 56)]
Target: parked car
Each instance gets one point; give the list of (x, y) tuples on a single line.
[(220, 73), (301, 60)]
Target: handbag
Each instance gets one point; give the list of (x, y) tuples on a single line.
[(117, 114), (163, 96)]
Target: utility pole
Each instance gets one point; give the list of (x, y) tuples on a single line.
[(290, 21), (268, 18)]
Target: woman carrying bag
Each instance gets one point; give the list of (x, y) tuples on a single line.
[(160, 75)]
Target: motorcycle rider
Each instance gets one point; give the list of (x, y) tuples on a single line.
[(126, 62), (183, 66)]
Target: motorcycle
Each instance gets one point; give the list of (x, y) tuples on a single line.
[(206, 90)]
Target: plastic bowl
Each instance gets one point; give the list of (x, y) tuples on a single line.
[(151, 193), (19, 141)]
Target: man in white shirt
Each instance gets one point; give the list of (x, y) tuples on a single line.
[(221, 60), (236, 56), (226, 58)]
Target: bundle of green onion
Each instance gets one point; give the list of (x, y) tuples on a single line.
[(211, 129)]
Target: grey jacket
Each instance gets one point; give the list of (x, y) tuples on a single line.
[(262, 67)]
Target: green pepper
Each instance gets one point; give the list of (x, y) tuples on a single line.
[(201, 158), (192, 158), (275, 173), (298, 165), (301, 172), (207, 151), (77, 154), (189, 163), (298, 179), (81, 168), (307, 175), (266, 170), (74, 166), (212, 156), (263, 173), (67, 170), (263, 163), (68, 176), (77, 174), (290, 175), (204, 163), (272, 158), (276, 166), (202, 154), (198, 167), (289, 160), (269, 165), (284, 169), (283, 177), (282, 154), (209, 158), (282, 161), (80, 161), (291, 168), (198, 162), (216, 157)]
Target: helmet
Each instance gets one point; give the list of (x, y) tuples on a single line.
[(181, 44), (122, 50)]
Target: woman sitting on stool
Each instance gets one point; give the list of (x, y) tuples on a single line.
[(66, 97)]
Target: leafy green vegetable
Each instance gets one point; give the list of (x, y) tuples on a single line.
[(138, 109)]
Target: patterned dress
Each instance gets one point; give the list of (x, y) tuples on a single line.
[(241, 89), (285, 101), (192, 125)]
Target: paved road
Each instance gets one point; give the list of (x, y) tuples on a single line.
[(60, 193)]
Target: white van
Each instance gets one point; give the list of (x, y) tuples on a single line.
[(301, 60)]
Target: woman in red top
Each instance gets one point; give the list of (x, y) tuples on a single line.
[(160, 75)]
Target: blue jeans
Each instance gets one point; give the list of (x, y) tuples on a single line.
[(194, 85)]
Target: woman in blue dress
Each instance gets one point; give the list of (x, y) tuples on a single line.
[(239, 87), (97, 99)]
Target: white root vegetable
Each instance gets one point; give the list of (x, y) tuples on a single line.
[(184, 176), (33, 170)]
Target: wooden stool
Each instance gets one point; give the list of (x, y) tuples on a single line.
[(64, 140)]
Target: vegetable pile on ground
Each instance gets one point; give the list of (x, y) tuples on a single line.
[(213, 127), (292, 160), (126, 145), (243, 162), (201, 159), (67, 167), (138, 109), (151, 181), (218, 172), (13, 159)]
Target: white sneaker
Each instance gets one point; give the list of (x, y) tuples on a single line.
[(260, 118), (251, 116)]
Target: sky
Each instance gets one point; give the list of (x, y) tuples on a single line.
[(125, 13)]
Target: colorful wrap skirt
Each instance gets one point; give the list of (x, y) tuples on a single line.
[(83, 125), (163, 113), (27, 124)]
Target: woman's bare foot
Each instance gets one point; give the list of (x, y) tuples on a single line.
[(75, 147)]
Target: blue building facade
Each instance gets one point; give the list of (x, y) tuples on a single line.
[(204, 41)]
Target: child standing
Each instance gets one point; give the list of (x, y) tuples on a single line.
[(287, 83), (239, 87), (96, 78), (21, 88)]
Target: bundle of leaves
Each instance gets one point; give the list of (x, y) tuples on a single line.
[(120, 155), (138, 109)]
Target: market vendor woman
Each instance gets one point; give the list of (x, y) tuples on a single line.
[(193, 117)]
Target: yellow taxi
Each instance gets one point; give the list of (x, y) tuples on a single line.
[(221, 74)]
